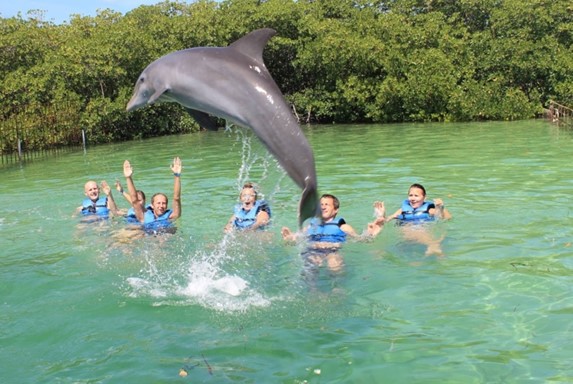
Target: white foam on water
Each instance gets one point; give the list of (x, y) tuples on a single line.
[(200, 280), (213, 288), (202, 286), (231, 285), (216, 278), (142, 287)]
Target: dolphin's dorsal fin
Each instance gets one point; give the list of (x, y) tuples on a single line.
[(253, 44)]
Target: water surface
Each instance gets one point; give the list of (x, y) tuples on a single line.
[(79, 307)]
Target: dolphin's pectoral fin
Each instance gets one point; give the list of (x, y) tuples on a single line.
[(308, 206), (203, 119), (158, 93)]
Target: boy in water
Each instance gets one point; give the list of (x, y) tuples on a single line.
[(327, 234), (415, 210), (251, 213)]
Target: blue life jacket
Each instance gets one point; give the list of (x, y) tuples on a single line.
[(416, 215), (98, 208), (245, 219), (154, 225), (326, 232), (131, 217)]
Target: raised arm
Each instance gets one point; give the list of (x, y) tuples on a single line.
[(137, 205), (289, 236), (110, 201), (347, 228), (394, 215), (122, 192), (372, 230), (229, 226), (262, 219), (440, 211), (176, 168), (375, 227)]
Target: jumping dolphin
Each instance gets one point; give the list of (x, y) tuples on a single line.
[(233, 83)]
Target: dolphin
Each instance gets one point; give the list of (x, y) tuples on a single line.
[(233, 83)]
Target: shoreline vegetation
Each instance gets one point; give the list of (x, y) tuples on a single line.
[(335, 61)]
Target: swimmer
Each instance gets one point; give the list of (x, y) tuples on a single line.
[(416, 210), (157, 217), (96, 205), (251, 213), (325, 235), (130, 213)]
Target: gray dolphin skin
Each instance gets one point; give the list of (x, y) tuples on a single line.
[(233, 83)]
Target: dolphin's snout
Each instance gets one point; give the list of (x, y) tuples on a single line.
[(132, 105)]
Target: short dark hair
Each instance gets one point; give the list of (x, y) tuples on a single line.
[(419, 186), (160, 194)]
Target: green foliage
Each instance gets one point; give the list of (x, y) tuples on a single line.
[(335, 61), (491, 101)]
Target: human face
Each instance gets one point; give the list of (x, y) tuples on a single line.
[(159, 205), (327, 208), (248, 198), (91, 190), (416, 197)]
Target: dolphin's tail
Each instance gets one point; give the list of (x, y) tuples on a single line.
[(308, 206)]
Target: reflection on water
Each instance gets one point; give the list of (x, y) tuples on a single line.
[(82, 307)]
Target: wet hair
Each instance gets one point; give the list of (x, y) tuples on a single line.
[(419, 186), (160, 194), (335, 201), (141, 192)]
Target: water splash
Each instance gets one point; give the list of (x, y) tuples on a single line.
[(217, 275), (262, 167), (210, 282)]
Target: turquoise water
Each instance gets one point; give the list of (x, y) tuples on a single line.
[(79, 307)]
